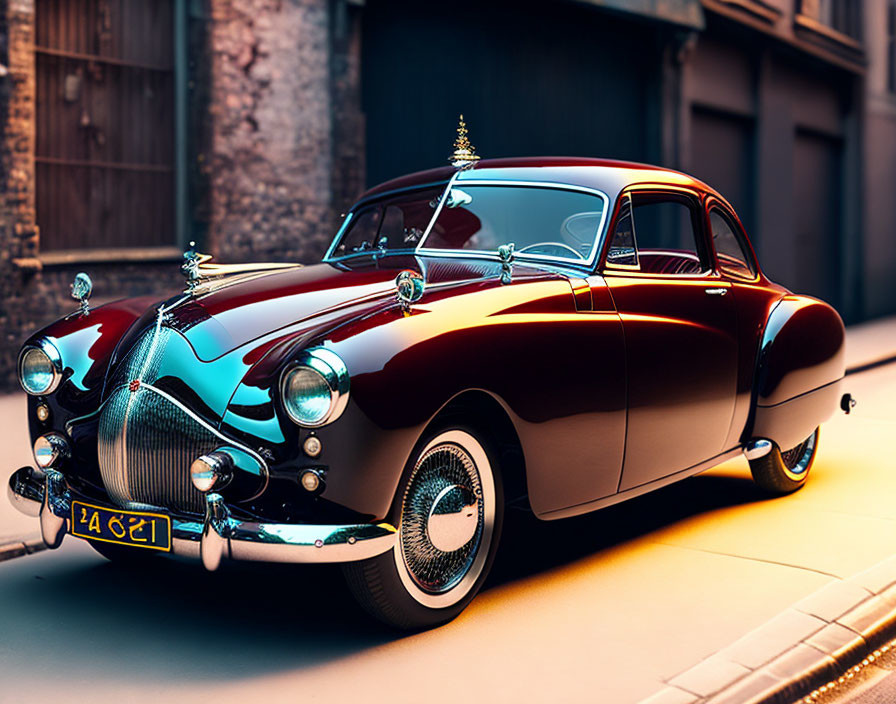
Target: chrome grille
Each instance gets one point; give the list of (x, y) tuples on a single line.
[(146, 441)]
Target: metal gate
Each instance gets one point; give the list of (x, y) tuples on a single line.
[(104, 159)]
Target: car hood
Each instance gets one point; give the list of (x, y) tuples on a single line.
[(233, 312)]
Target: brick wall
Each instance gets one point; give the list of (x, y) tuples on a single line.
[(275, 139), (271, 121)]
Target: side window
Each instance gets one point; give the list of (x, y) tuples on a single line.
[(733, 259), (622, 250), (362, 231), (667, 231)]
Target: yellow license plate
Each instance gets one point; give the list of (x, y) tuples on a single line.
[(135, 528)]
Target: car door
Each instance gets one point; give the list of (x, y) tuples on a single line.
[(680, 327)]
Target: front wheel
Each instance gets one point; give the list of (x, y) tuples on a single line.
[(450, 518), (782, 472)]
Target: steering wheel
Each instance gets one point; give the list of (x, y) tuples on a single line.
[(556, 245)]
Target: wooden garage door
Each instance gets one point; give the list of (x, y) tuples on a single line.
[(531, 78), (105, 123)]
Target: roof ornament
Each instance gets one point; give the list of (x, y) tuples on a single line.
[(505, 254), (464, 156), (82, 287)]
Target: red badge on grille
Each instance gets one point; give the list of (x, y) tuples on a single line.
[(134, 385)]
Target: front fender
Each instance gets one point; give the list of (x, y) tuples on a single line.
[(86, 344)]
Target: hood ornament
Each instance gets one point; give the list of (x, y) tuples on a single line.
[(192, 261), (409, 287), (198, 271), (505, 254), (82, 287), (464, 156)]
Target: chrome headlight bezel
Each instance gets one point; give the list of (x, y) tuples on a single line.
[(49, 350), (330, 367)]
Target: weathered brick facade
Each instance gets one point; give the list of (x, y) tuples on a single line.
[(275, 141), (271, 155)]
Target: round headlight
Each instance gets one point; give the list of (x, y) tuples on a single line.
[(40, 369), (315, 390)]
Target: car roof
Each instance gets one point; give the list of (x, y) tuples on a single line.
[(606, 175)]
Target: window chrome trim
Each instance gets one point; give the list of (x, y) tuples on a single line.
[(699, 207), (740, 236), (588, 263), (53, 354)]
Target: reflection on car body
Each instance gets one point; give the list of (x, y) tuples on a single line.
[(572, 332)]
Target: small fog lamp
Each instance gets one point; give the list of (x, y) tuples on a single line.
[(50, 450), (310, 480), (43, 412), (209, 471), (312, 446)]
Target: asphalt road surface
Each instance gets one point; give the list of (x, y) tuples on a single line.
[(598, 608)]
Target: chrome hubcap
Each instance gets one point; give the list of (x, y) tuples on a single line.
[(442, 518), (453, 518), (796, 460)]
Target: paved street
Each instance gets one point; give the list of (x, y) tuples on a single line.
[(603, 607)]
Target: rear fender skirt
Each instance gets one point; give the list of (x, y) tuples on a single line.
[(802, 351), (791, 422)]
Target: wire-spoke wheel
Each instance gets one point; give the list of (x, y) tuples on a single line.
[(781, 472), (449, 515)]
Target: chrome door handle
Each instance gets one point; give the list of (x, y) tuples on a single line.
[(715, 291)]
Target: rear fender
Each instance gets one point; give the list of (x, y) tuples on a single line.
[(801, 364)]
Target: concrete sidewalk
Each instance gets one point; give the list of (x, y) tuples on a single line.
[(15, 527), (834, 630), (870, 343)]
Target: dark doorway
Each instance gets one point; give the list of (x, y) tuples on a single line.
[(105, 123), (817, 193), (722, 156), (530, 78)]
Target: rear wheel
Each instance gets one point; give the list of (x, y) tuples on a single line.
[(450, 517), (783, 472)]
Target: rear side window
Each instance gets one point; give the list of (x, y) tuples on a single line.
[(659, 233), (733, 259)]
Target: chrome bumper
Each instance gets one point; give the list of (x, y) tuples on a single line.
[(218, 536)]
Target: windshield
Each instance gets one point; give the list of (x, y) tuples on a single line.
[(542, 221)]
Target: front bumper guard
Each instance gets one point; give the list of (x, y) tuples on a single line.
[(218, 536)]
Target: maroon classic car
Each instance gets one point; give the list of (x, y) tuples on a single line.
[(563, 332)]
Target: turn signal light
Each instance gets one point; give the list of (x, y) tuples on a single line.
[(310, 480)]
